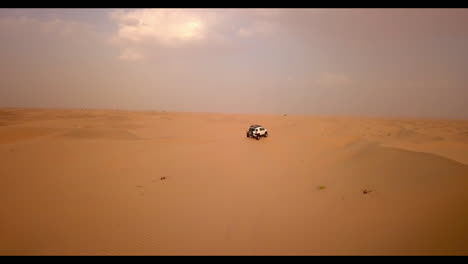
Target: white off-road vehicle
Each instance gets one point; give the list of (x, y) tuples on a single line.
[(257, 131)]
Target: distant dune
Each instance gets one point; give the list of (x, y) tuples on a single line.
[(111, 182)]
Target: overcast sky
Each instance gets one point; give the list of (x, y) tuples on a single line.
[(397, 62)]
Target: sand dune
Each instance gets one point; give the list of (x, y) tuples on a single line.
[(83, 182), (14, 134), (89, 133)]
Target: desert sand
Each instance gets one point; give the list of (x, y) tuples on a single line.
[(110, 182)]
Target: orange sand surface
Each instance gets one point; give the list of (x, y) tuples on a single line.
[(89, 182)]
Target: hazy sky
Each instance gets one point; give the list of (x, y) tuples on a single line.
[(399, 62)]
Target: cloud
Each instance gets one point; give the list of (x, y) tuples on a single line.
[(145, 29), (129, 54), (58, 27), (263, 28), (164, 26), (267, 12), (330, 79), (25, 38)]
